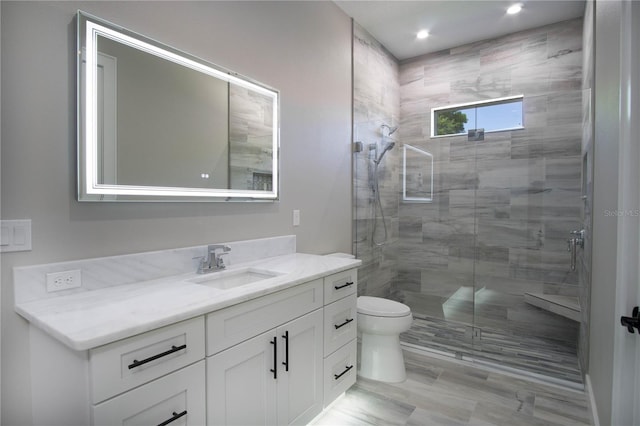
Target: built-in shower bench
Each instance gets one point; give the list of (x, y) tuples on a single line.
[(566, 306)]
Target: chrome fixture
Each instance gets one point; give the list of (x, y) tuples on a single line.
[(391, 130), (387, 147), (213, 261), (573, 244), (373, 174)]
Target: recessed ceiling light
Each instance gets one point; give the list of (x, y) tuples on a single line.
[(516, 8), (422, 34)]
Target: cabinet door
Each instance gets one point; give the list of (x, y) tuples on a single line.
[(177, 398), (300, 381), (241, 388)]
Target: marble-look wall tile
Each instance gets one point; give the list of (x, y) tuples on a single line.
[(376, 101)]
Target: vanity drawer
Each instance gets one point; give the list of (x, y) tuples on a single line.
[(179, 396), (127, 363), (339, 285), (339, 371), (340, 320), (235, 324)]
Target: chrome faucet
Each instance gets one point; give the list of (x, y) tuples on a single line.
[(213, 261)]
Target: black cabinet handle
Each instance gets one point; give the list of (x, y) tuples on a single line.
[(175, 417), (286, 350), (338, 287), (173, 349), (275, 358), (343, 324), (346, 370)]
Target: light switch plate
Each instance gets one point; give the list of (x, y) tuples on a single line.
[(15, 235)]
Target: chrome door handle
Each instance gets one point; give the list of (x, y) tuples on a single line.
[(573, 244)]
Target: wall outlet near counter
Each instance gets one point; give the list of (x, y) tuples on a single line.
[(64, 280)]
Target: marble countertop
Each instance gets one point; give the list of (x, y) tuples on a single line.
[(93, 318)]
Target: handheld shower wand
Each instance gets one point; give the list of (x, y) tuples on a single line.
[(374, 184), (388, 147)]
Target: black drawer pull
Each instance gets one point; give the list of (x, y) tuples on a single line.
[(338, 287), (275, 357), (173, 349), (285, 336), (343, 324), (175, 417), (346, 370)]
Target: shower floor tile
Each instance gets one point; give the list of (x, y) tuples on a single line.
[(545, 357), (441, 392)]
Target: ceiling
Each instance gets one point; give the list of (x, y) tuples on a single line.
[(451, 23)]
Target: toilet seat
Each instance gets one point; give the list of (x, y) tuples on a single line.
[(379, 307)]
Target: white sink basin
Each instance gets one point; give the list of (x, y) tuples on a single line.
[(225, 280)]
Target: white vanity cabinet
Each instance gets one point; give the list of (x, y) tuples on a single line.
[(151, 378), (340, 333), (275, 358), (275, 376), (177, 399), (272, 379), (146, 360)]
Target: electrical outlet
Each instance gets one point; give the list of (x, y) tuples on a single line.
[(57, 281)]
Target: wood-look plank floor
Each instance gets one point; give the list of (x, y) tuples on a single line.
[(442, 392), (547, 357)]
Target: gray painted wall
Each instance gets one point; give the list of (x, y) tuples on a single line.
[(301, 48)]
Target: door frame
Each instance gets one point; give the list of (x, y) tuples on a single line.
[(626, 350)]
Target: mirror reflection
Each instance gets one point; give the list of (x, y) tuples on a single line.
[(157, 123)]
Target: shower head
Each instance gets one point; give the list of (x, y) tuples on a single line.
[(388, 147), (390, 129)]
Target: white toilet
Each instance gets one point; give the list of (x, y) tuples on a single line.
[(380, 322)]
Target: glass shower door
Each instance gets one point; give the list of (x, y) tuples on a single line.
[(437, 243), (527, 200)]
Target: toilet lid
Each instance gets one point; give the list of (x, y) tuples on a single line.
[(380, 307)]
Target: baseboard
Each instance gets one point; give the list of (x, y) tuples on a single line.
[(593, 408)]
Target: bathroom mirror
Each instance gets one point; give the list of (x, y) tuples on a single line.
[(158, 124)]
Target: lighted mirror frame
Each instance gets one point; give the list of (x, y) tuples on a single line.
[(89, 188), (477, 105)]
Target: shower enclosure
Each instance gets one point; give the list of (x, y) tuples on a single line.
[(478, 257), (494, 232)]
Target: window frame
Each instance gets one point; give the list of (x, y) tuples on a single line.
[(476, 104)]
